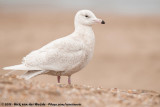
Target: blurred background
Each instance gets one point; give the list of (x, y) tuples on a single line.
[(127, 50)]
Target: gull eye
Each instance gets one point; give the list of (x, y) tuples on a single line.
[(86, 16)]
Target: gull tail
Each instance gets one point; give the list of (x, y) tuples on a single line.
[(30, 74), (18, 67)]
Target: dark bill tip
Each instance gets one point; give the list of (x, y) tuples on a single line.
[(103, 22)]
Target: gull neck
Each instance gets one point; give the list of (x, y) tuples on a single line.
[(79, 28)]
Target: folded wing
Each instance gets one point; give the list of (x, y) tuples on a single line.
[(58, 55)]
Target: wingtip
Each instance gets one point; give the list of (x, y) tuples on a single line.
[(4, 68)]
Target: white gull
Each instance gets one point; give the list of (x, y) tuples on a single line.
[(64, 56)]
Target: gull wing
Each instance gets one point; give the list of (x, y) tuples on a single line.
[(58, 55)]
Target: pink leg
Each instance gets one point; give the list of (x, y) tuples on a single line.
[(58, 78), (69, 79)]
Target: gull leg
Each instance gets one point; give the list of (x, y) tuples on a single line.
[(58, 78), (69, 79)]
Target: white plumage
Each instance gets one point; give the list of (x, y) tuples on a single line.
[(66, 55)]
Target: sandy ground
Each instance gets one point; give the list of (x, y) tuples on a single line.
[(127, 51), (15, 91)]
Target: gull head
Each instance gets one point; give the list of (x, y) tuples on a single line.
[(87, 18)]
